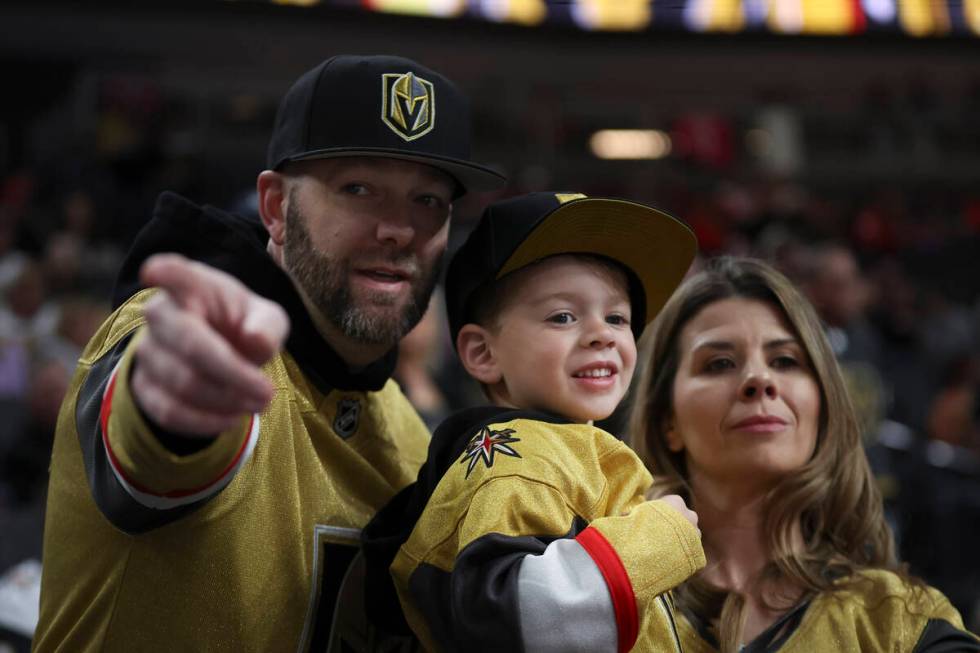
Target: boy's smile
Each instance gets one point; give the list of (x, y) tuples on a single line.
[(562, 341)]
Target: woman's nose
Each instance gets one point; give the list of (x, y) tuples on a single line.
[(759, 384)]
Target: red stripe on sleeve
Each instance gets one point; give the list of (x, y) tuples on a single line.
[(175, 494), (618, 582)]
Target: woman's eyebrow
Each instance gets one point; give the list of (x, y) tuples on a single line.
[(720, 345), (780, 342), (726, 345)]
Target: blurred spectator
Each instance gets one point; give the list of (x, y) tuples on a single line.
[(953, 412), (80, 316), (24, 465), (834, 283), (26, 314), (903, 360), (75, 259)]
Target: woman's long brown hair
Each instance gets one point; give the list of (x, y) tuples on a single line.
[(832, 499)]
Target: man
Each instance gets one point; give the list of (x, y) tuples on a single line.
[(207, 487)]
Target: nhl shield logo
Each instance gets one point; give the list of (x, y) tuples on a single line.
[(348, 417), (409, 105)]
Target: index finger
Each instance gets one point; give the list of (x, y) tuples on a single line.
[(193, 285), (255, 326)]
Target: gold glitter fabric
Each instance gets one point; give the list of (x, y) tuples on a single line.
[(880, 613), (522, 486), (253, 564)]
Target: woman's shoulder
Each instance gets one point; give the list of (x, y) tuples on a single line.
[(877, 589), (881, 610), (884, 596), (873, 587)]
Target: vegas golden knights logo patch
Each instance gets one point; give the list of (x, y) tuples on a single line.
[(409, 105), (485, 445)]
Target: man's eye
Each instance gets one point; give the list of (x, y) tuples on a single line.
[(355, 189), (562, 318)]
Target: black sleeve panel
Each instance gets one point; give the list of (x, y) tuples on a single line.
[(115, 503), (940, 636), (475, 607)]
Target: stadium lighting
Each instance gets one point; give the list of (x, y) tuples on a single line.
[(630, 144)]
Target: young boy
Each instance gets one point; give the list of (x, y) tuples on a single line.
[(528, 528)]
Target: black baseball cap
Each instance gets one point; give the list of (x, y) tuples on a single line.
[(378, 106), (655, 248)]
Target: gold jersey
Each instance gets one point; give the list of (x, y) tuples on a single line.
[(244, 545), (536, 536), (880, 613)]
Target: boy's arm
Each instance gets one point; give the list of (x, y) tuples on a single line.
[(638, 557), (530, 574)]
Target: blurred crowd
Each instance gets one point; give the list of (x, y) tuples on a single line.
[(892, 270)]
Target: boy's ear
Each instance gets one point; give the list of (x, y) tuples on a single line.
[(473, 345), (271, 187)]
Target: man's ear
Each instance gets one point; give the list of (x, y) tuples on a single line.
[(271, 186), (673, 439), (476, 354)]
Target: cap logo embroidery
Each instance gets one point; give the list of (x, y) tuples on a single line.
[(409, 105), (568, 197)]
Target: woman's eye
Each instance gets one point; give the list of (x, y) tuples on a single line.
[(719, 364), (782, 362), (562, 318)]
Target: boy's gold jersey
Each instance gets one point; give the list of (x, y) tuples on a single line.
[(241, 546), (538, 537)]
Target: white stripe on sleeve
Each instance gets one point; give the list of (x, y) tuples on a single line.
[(563, 601)]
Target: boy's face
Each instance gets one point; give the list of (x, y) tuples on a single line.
[(562, 341)]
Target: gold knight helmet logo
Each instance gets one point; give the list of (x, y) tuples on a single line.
[(409, 105)]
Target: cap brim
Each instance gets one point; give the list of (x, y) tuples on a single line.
[(472, 176), (658, 248)]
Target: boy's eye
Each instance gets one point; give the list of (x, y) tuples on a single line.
[(617, 319), (432, 201), (562, 318)]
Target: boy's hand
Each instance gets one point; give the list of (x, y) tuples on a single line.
[(198, 368), (677, 503)]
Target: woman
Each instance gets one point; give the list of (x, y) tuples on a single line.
[(742, 410)]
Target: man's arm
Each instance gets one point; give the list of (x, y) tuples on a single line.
[(193, 367)]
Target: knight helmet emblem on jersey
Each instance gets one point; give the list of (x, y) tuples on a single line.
[(485, 444), (409, 106), (348, 417)]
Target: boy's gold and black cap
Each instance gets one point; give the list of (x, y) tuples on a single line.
[(379, 105), (655, 248)]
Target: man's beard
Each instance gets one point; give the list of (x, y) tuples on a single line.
[(326, 283)]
